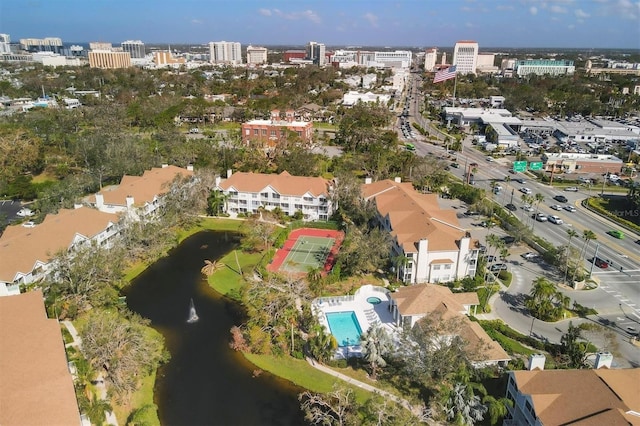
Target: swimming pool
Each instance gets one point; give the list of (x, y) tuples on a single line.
[(345, 328)]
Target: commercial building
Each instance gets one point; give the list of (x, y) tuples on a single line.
[(506, 126), (436, 248), (225, 52), (294, 55), (270, 132), (163, 58), (379, 59), (247, 193), (36, 385), (465, 57), (316, 53), (550, 67), (256, 55), (430, 58), (571, 397), (135, 48), (353, 97), (570, 162)]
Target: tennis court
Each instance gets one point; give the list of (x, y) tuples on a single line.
[(307, 249)]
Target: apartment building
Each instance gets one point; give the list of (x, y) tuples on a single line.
[(107, 59), (256, 55), (135, 48), (248, 193), (436, 248), (5, 44), (563, 397), (550, 67), (270, 132), (465, 57), (36, 386), (26, 250), (47, 44), (225, 53), (430, 58), (164, 58), (316, 53), (138, 196)]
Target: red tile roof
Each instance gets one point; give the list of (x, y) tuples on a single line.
[(283, 183)]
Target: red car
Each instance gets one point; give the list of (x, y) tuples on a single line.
[(601, 263)]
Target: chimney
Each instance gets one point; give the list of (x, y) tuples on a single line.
[(275, 115), (536, 361), (367, 181), (229, 173), (99, 201), (129, 202), (289, 115), (189, 167), (218, 180), (397, 179), (164, 166), (77, 205), (603, 359)]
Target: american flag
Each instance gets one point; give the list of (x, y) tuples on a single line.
[(445, 74)]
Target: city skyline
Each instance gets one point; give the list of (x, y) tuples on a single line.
[(494, 23)]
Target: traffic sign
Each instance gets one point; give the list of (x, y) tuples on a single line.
[(535, 165), (519, 166)]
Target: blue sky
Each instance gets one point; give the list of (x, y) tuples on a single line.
[(419, 23)]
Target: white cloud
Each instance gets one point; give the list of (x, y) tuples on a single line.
[(372, 19), (571, 27), (292, 16), (581, 14), (466, 9), (558, 9), (196, 21), (505, 7), (533, 10)]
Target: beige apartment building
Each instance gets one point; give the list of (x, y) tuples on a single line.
[(109, 60)]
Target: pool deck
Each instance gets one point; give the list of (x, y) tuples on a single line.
[(366, 313)]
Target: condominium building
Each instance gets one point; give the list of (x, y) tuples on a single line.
[(256, 55), (108, 59), (101, 45), (248, 193), (430, 58), (164, 58), (436, 248), (135, 48), (316, 53), (465, 57), (552, 67), (225, 52), (5, 44), (47, 44), (270, 132)]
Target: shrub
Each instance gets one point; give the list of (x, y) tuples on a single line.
[(505, 277)]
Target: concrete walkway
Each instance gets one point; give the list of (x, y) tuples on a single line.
[(99, 382), (417, 410)]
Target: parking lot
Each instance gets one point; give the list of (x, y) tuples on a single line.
[(9, 210)]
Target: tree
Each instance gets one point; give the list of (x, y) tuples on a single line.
[(364, 251), (375, 344), (571, 233), (463, 407), (217, 202), (497, 408), (322, 345), (337, 407), (545, 302), (122, 349), (573, 351), (211, 266)]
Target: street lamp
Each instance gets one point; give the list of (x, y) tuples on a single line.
[(531, 330)]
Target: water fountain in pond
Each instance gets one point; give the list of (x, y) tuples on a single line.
[(193, 316)]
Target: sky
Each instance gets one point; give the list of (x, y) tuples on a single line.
[(414, 23)]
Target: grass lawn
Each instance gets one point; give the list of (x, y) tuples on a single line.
[(324, 126), (144, 396), (302, 374), (227, 280)]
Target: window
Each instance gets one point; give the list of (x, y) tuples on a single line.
[(273, 132), (256, 132), (264, 132), (297, 206), (264, 194), (447, 266), (436, 267), (275, 196)]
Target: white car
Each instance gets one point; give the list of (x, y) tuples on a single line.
[(529, 255), (555, 219), (525, 190), (24, 212), (570, 208), (489, 158), (556, 206), (571, 189), (541, 217), (528, 208)]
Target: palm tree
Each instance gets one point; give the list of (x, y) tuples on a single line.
[(537, 199), (497, 408), (217, 202), (322, 345), (375, 344), (571, 233), (211, 266), (399, 262), (314, 277), (587, 235)]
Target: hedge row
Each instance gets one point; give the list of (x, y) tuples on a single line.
[(595, 205)]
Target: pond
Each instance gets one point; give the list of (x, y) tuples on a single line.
[(205, 383)]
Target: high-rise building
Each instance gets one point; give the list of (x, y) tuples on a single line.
[(256, 55), (101, 45), (225, 52), (430, 57), (134, 47), (109, 59), (5, 44), (47, 44), (465, 57), (316, 53)]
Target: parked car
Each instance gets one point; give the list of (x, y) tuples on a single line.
[(529, 255), (571, 189), (540, 217), (24, 212), (570, 208), (556, 206), (560, 198), (508, 239), (601, 263), (617, 234), (555, 219), (491, 258), (511, 207), (496, 267)]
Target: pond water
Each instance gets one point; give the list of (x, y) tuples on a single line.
[(205, 383)]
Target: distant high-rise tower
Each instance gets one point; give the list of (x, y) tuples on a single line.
[(256, 55), (316, 53), (465, 57), (225, 52), (443, 60), (430, 57), (5, 43), (134, 47)]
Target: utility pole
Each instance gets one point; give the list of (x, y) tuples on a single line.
[(593, 262)]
